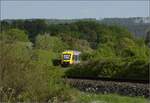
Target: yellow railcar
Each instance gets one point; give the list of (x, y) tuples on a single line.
[(70, 57)]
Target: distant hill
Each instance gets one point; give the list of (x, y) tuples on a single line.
[(137, 25), (62, 21)]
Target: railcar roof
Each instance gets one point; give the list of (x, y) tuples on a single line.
[(75, 51)]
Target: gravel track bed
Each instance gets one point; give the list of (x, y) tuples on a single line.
[(122, 88)]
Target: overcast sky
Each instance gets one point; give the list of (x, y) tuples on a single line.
[(73, 9)]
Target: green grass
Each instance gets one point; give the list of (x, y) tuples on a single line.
[(109, 98)]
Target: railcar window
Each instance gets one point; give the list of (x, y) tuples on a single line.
[(76, 57), (66, 56)]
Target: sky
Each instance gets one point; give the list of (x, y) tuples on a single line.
[(73, 9)]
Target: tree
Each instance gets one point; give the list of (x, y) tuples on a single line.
[(147, 39), (4, 25), (48, 42), (35, 27), (14, 35)]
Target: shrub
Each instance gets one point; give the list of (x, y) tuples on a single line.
[(14, 35), (95, 68), (85, 56), (23, 79), (138, 69), (112, 68), (82, 70), (44, 56), (48, 42)]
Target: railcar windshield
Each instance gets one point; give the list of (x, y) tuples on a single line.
[(66, 56)]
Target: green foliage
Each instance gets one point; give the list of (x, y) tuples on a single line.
[(89, 30), (81, 71), (96, 68), (113, 68), (105, 51), (51, 43), (109, 98), (26, 75), (44, 57), (125, 47), (137, 69), (76, 44), (14, 35), (128, 48), (147, 38), (85, 56), (34, 27)]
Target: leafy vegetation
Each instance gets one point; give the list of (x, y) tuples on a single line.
[(112, 68), (27, 74), (111, 98), (147, 39), (28, 48)]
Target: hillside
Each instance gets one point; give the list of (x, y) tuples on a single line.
[(137, 25)]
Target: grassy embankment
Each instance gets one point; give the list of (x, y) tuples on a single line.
[(109, 98)]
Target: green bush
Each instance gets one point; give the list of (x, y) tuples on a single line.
[(44, 56), (82, 70), (50, 43), (14, 35), (138, 69), (95, 68), (85, 56), (75, 43), (111, 68), (25, 79)]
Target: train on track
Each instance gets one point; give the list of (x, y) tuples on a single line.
[(68, 57), (71, 57)]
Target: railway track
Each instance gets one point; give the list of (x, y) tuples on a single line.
[(111, 79), (106, 85)]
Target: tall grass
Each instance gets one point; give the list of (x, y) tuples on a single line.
[(109, 98)]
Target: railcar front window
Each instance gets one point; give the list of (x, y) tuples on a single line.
[(66, 56)]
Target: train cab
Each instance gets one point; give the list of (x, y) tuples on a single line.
[(70, 57)]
